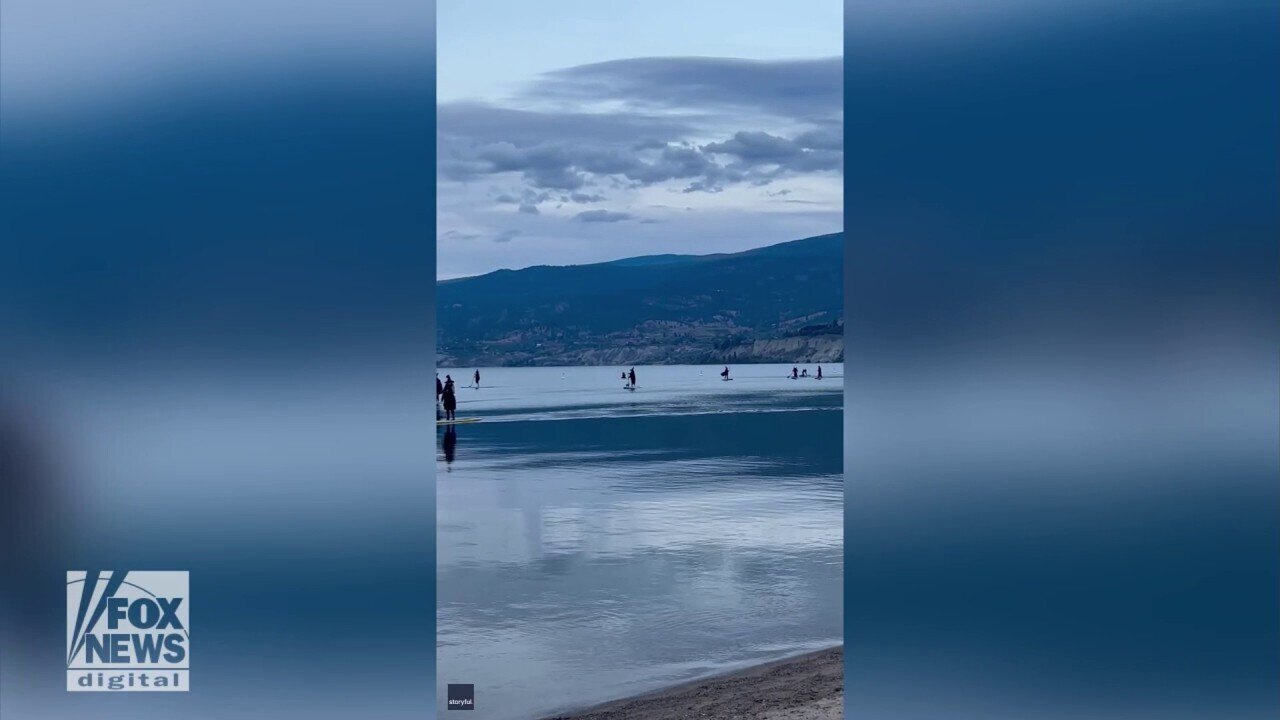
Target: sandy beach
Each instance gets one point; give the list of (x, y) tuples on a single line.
[(806, 687)]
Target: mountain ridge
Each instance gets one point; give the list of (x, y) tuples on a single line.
[(777, 303)]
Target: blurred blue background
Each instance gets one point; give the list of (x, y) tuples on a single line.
[(217, 323), (1061, 395)]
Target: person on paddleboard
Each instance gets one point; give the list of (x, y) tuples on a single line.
[(477, 379), (633, 377), (439, 387), (794, 373), (725, 372), (450, 399), (819, 372)]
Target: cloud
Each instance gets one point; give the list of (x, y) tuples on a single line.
[(602, 216), (695, 125), (457, 235), (506, 236), (823, 138), (490, 123), (767, 156), (571, 166), (809, 89)]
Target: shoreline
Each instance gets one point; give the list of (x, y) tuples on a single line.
[(801, 687)]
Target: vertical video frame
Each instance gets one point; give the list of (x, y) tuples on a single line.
[(640, 361)]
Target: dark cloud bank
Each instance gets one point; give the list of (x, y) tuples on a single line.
[(660, 112), (602, 216)]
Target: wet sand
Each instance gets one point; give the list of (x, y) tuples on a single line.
[(806, 687)]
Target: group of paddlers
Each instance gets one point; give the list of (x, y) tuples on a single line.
[(797, 374), (629, 377), (446, 396)]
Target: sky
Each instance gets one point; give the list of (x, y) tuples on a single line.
[(583, 132)]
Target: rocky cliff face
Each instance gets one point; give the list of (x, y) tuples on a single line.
[(814, 349)]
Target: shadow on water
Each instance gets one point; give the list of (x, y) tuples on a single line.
[(807, 443)]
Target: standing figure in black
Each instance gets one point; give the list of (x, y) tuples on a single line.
[(450, 399), (477, 379), (633, 377)]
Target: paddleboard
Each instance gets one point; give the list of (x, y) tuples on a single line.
[(628, 387), (726, 379), (458, 421)]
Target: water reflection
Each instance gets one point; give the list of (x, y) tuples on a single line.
[(449, 445), (630, 549)]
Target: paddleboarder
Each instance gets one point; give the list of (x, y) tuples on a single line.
[(633, 377), (477, 379)]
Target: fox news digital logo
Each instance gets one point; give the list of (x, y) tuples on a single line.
[(127, 631)]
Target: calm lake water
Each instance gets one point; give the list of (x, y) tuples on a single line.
[(595, 542)]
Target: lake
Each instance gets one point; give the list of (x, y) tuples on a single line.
[(595, 542)]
